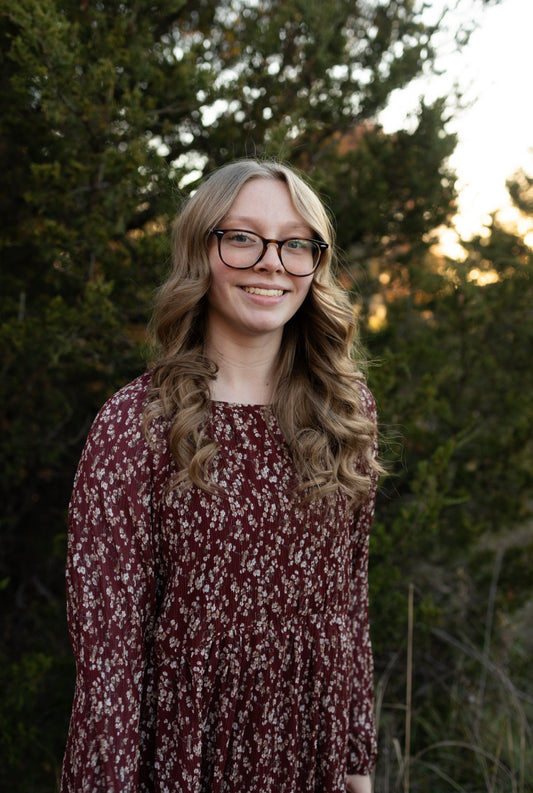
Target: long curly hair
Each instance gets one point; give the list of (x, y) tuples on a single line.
[(317, 398)]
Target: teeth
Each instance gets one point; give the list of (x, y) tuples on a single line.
[(255, 290)]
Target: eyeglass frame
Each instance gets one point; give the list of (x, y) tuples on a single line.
[(322, 246)]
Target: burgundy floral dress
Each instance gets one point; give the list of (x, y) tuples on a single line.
[(221, 641)]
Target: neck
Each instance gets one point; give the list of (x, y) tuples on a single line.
[(246, 372)]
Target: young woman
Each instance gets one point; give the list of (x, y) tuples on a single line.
[(218, 531)]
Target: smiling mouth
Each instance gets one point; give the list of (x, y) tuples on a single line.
[(255, 290)]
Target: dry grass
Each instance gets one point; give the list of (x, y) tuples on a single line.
[(478, 739)]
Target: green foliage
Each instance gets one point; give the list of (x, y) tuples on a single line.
[(34, 718), (388, 191), (453, 519), (520, 188)]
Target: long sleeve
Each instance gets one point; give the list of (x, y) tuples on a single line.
[(362, 741), (111, 595)]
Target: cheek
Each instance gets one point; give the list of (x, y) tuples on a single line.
[(304, 290), (213, 257), (220, 274)]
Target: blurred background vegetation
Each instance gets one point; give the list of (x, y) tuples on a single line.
[(111, 111)]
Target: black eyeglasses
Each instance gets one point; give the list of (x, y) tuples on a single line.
[(242, 249)]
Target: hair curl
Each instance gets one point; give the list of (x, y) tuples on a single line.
[(317, 398)]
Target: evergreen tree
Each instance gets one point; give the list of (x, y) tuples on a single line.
[(455, 520)]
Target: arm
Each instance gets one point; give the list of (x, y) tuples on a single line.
[(111, 599), (362, 742)]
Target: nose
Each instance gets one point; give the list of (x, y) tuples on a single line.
[(270, 260)]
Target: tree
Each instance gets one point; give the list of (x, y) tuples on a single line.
[(455, 520)]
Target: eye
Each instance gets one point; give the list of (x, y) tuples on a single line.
[(298, 246), (241, 238)]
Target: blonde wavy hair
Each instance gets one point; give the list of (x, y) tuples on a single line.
[(317, 398)]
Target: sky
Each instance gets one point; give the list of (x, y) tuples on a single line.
[(495, 130)]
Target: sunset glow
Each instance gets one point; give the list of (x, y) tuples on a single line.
[(495, 131)]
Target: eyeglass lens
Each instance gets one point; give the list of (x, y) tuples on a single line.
[(244, 248)]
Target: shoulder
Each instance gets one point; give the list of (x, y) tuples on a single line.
[(128, 402), (367, 403), (125, 408), (118, 447), (119, 422)]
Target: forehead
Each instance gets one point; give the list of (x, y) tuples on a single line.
[(265, 200)]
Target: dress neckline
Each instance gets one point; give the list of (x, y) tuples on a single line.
[(241, 405)]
